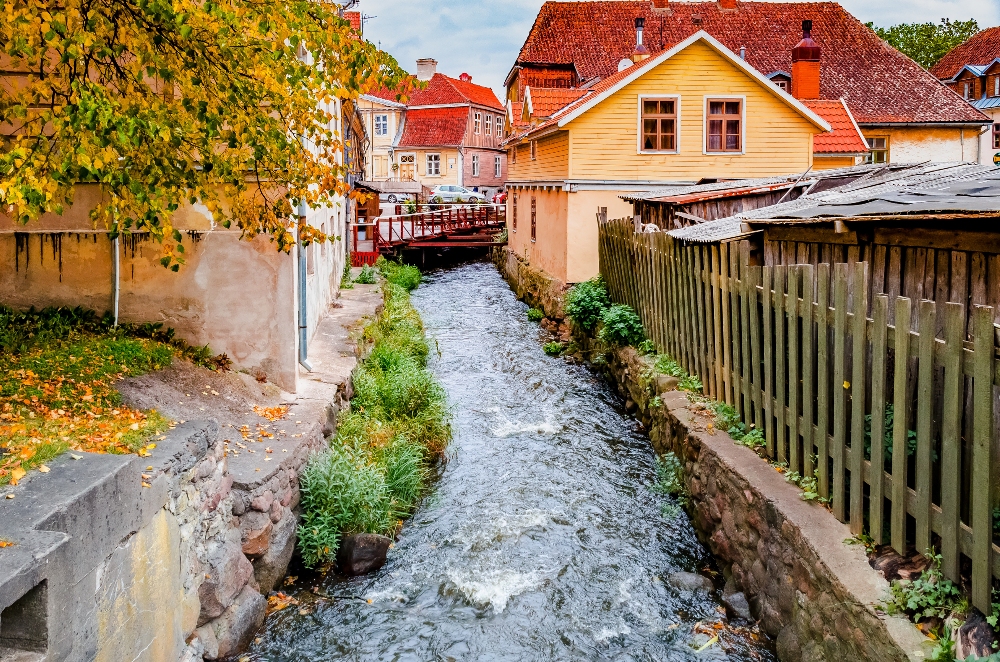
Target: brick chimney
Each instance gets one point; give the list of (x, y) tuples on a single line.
[(465, 78), (641, 52), (727, 4), (426, 68), (805, 65), (354, 18)]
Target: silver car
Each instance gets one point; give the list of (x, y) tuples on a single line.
[(452, 193)]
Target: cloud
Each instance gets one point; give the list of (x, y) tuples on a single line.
[(483, 38)]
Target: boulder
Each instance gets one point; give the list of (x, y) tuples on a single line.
[(690, 581), (737, 606), (237, 626), (272, 566), (263, 502), (787, 645), (362, 553), (227, 573), (255, 533), (666, 383)]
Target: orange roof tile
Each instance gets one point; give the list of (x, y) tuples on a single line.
[(982, 48), (545, 101), (845, 138), (443, 90), (435, 127)]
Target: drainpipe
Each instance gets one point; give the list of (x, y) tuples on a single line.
[(303, 296), (117, 267)]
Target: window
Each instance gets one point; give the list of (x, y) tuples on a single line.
[(433, 165), (513, 220), (996, 136), (534, 217), (498, 166), (475, 165), (878, 150), (996, 86), (478, 124), (381, 125), (659, 125), (513, 154), (967, 89), (489, 125), (500, 124), (534, 150), (782, 84), (725, 126)]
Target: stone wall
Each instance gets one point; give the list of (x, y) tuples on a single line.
[(536, 287), (814, 594)]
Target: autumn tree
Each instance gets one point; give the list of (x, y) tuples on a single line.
[(168, 102), (926, 43)]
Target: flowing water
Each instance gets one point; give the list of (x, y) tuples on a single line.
[(541, 539)]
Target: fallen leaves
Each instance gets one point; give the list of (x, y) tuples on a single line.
[(271, 413), (5, 543), (280, 601)]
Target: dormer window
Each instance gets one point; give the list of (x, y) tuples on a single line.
[(967, 89), (995, 86)]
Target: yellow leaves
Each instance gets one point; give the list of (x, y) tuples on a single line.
[(280, 601), (43, 469), (5, 543), (16, 475)]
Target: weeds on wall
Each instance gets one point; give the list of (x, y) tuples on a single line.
[(377, 466), (932, 595), (553, 348), (620, 325), (368, 276), (535, 315), (587, 302), (670, 482), (666, 365)]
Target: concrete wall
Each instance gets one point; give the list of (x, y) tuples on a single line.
[(582, 257), (986, 148)]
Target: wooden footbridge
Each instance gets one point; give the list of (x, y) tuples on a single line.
[(460, 226)]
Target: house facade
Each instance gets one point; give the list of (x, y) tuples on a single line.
[(651, 125), (449, 132), (972, 70)]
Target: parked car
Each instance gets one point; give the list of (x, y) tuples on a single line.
[(395, 198), (500, 197), (451, 193)]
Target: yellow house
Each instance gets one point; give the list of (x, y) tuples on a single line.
[(692, 113)]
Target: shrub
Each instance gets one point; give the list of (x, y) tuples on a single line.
[(621, 326), (535, 315), (647, 347), (406, 276), (586, 303), (666, 365), (932, 595), (553, 348), (409, 206), (367, 276)]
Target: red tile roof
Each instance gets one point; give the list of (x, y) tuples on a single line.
[(435, 127), (354, 18), (845, 138), (545, 101), (878, 83), (443, 89), (982, 48), (516, 111)]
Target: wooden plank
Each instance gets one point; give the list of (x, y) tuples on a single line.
[(753, 279), (808, 374), (732, 329), (893, 281), (880, 357), (726, 281), (768, 397), (809, 234), (900, 425), (741, 331), (859, 331), (878, 270), (986, 242), (983, 473), (951, 438), (715, 288), (823, 377), (839, 390), (794, 376), (703, 342), (925, 407), (780, 362)]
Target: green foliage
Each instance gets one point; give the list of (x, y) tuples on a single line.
[(927, 43), (808, 484), (646, 347), (670, 482), (621, 326), (553, 348), (931, 595), (944, 649), (666, 365), (345, 277), (367, 276), (887, 437), (409, 206), (404, 275), (377, 466), (728, 419), (535, 315), (586, 303)]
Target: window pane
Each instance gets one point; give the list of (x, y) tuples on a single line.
[(649, 141), (733, 142), (649, 126), (667, 107), (666, 126), (733, 127), (649, 107), (715, 107), (732, 108), (715, 143), (667, 141)]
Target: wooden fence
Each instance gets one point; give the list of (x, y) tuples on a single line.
[(837, 380)]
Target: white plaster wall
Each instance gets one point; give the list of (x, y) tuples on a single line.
[(916, 145), (986, 150)]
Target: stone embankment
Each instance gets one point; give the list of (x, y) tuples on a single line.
[(169, 557), (785, 560)]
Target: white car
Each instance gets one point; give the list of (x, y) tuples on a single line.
[(451, 193)]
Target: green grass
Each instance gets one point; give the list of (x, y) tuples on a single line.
[(404, 275), (398, 425), (535, 315)]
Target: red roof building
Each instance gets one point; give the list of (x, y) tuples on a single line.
[(845, 140)]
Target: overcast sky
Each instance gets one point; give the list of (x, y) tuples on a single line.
[(483, 38)]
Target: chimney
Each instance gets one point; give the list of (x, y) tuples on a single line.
[(641, 53), (354, 18), (426, 68), (465, 78), (805, 65), (661, 4), (727, 4)]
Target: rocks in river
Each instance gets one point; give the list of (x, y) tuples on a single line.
[(737, 606), (362, 553), (690, 581)]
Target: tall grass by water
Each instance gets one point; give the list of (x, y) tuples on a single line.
[(377, 466)]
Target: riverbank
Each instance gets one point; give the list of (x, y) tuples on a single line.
[(169, 556)]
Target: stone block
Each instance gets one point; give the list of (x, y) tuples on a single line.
[(272, 566), (255, 533), (237, 626), (263, 502), (228, 572), (362, 553)]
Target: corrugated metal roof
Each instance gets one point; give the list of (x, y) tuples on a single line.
[(987, 103), (923, 188)]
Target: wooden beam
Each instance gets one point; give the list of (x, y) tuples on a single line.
[(810, 234), (981, 242)]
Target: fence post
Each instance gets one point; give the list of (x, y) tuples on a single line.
[(927, 324), (859, 288), (880, 357), (808, 316), (951, 438), (983, 487), (900, 423), (839, 387)]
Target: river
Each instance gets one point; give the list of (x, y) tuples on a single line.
[(541, 539)]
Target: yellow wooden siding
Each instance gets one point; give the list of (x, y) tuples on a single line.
[(831, 162), (778, 140), (552, 160)]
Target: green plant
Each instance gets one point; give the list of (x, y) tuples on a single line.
[(367, 276), (345, 277), (930, 595), (535, 315), (666, 365), (586, 303), (656, 402), (944, 649), (404, 275), (647, 347), (887, 437), (808, 484), (621, 326), (553, 348), (670, 482), (409, 206), (994, 616)]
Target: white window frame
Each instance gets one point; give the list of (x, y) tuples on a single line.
[(489, 124), (498, 167), (477, 123), (383, 120), (475, 165), (501, 124), (427, 164), (743, 124), (676, 98)]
